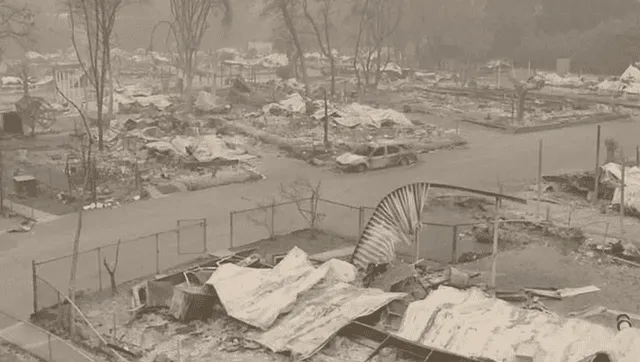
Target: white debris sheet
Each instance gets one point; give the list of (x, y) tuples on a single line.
[(470, 323), (296, 306), (357, 114), (293, 103), (205, 148), (613, 173)]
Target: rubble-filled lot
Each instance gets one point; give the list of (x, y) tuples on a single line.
[(542, 269), (497, 108)]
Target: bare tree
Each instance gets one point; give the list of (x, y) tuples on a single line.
[(361, 11), (521, 89), (76, 239), (190, 21), (286, 11), (300, 192), (97, 19), (379, 19), (323, 32), (266, 216), (111, 269)]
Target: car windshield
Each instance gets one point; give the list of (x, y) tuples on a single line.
[(363, 151)]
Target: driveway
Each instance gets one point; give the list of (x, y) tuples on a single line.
[(512, 158)]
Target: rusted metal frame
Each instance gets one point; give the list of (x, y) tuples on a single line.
[(479, 192), (381, 345), (403, 346)]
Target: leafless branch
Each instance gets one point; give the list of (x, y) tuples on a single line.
[(112, 269), (299, 192)]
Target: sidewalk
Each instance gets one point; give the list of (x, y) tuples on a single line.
[(42, 344), (29, 212)]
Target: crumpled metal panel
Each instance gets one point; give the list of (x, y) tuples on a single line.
[(318, 315), (474, 324), (395, 220), (298, 307), (258, 296)]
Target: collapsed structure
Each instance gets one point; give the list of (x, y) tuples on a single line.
[(300, 305)]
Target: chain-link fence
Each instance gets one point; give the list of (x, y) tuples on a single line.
[(131, 259), (272, 219), (39, 342)]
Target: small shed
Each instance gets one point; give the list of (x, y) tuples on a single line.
[(26, 185), (11, 123)]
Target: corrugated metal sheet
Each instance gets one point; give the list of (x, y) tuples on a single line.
[(258, 296), (318, 302), (320, 314), (474, 324), (395, 220)]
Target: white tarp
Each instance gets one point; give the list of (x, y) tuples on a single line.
[(293, 103), (470, 323), (296, 306), (613, 173), (392, 67), (556, 80), (274, 60), (357, 114), (205, 102)]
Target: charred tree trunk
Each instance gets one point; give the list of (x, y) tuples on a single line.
[(296, 41)]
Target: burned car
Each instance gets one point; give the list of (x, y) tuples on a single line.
[(376, 156)]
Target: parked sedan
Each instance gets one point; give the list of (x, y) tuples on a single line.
[(375, 156)]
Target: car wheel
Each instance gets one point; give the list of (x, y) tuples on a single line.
[(404, 161), (361, 168)]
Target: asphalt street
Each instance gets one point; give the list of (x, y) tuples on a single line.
[(489, 156)]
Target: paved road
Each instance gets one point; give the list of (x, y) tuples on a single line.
[(513, 158)]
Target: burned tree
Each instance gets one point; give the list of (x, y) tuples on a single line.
[(521, 89), (111, 269), (378, 21), (286, 11), (190, 21), (94, 21), (88, 167), (324, 10), (300, 192)]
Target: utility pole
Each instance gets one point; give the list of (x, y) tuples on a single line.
[(539, 179), (2, 172), (596, 186), (622, 195)]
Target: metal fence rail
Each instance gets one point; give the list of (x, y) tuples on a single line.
[(39, 342), (276, 219), (167, 249)]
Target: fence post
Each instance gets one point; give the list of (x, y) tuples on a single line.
[(50, 182), (49, 347), (360, 220), (99, 269), (178, 237), (204, 235), (494, 261), (231, 229), (454, 248), (34, 277), (157, 254), (273, 220)]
